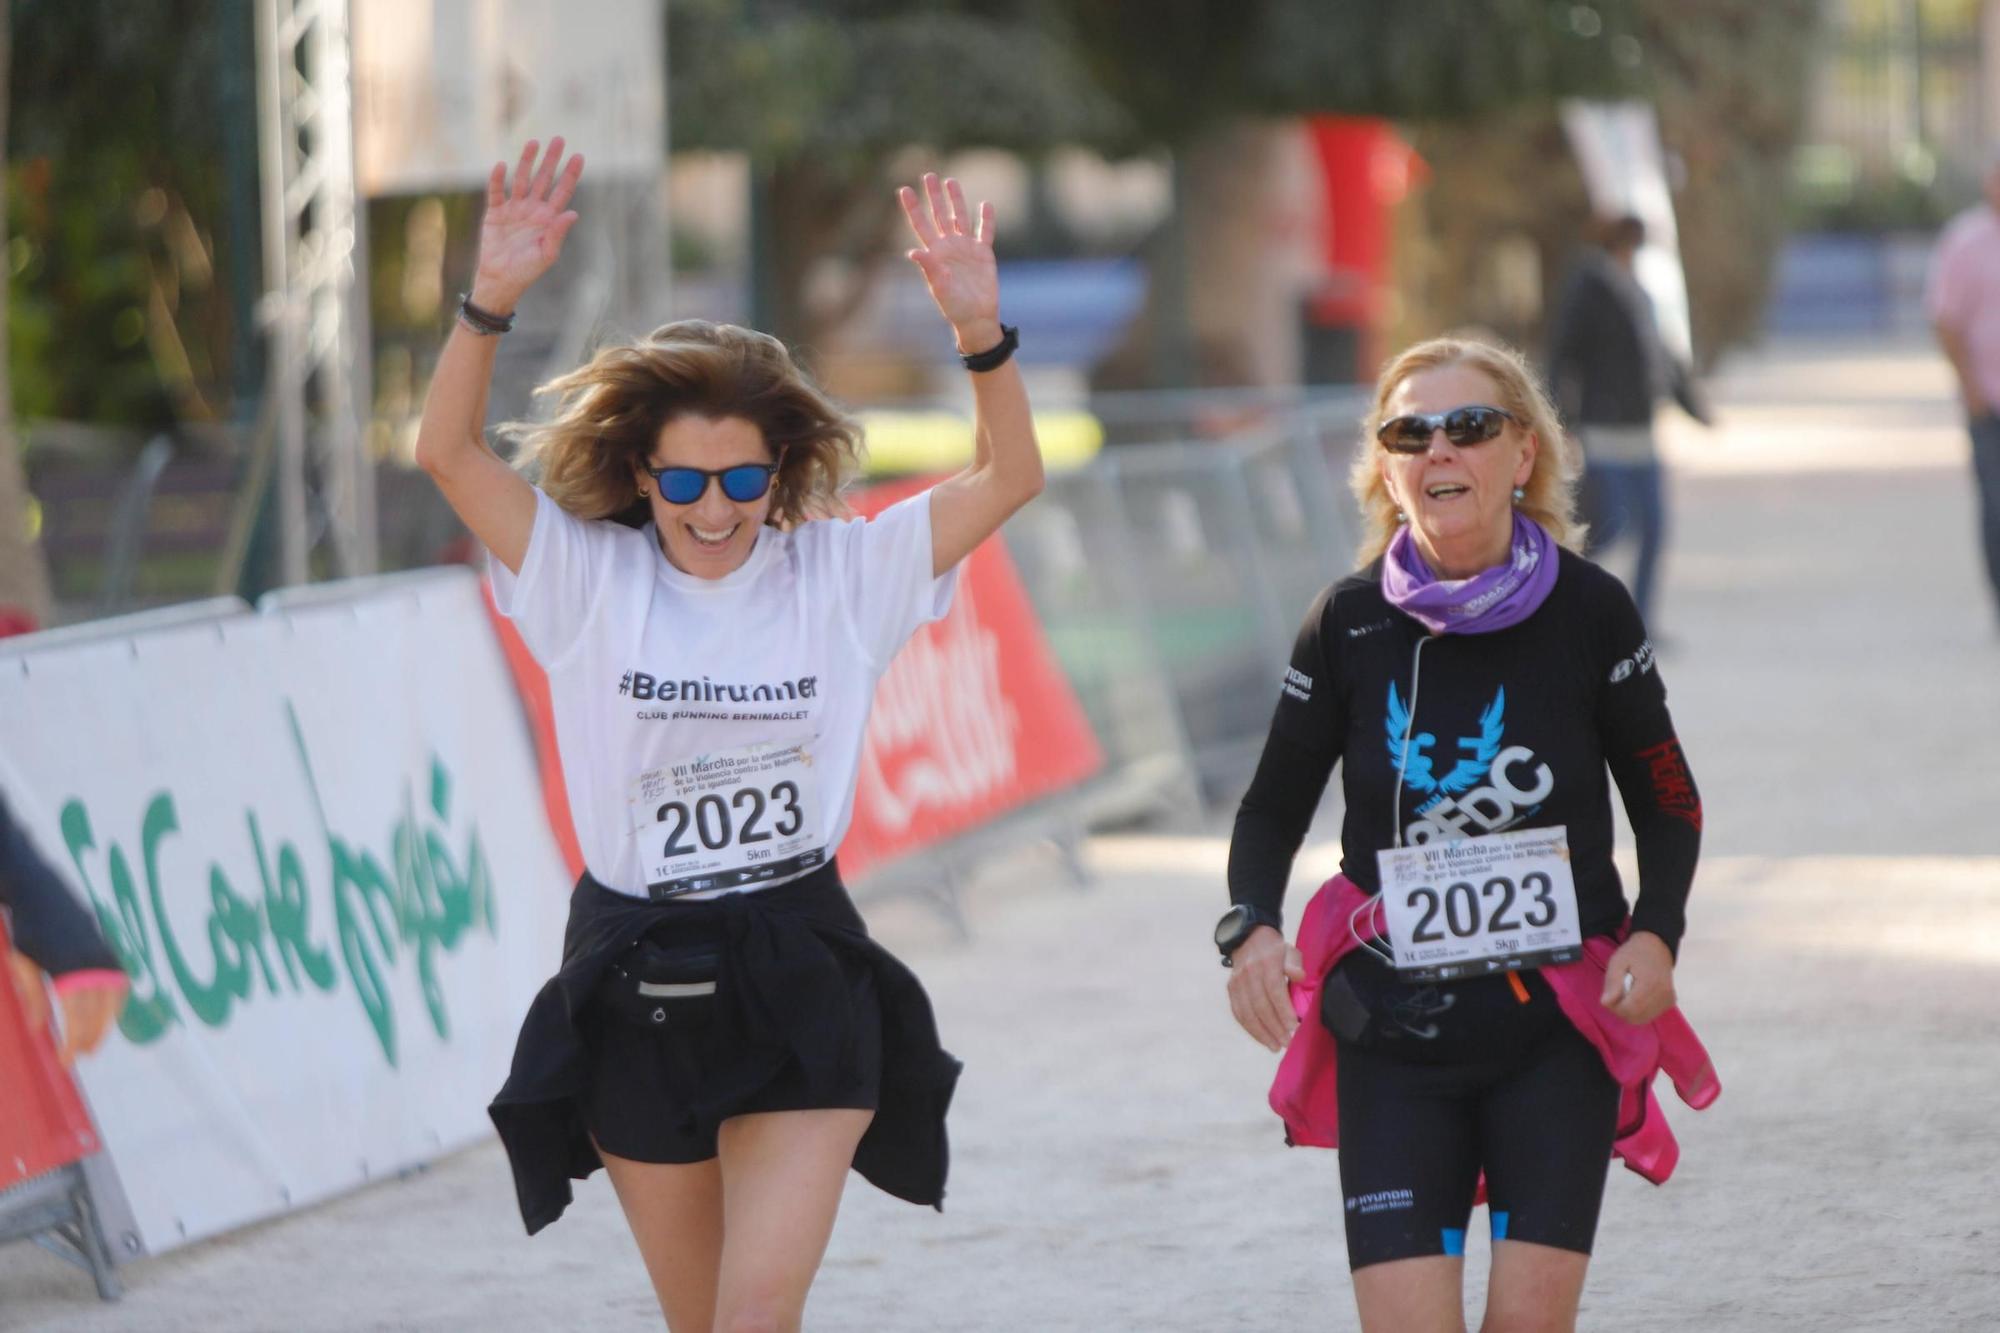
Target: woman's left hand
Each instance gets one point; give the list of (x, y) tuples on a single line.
[(1645, 959), (88, 1010), (955, 252)]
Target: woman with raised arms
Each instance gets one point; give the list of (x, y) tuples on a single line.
[(723, 1036)]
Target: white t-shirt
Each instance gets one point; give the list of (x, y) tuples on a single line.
[(710, 729)]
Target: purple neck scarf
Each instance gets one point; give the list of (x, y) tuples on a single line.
[(1490, 600)]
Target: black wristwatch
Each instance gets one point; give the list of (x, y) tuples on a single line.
[(1236, 925), (995, 356)]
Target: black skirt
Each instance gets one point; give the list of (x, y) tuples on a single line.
[(792, 960)]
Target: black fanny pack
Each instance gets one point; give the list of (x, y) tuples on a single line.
[(1364, 1003), (657, 984)]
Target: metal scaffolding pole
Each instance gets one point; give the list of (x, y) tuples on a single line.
[(313, 309)]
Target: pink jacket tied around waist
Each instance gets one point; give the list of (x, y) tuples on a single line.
[(1304, 1092)]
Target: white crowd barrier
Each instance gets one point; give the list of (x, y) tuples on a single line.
[(315, 838)]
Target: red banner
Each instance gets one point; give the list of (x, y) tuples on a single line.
[(533, 686), (973, 719), (1368, 170), (42, 1121)]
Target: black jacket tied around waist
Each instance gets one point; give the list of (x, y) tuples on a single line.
[(783, 968)]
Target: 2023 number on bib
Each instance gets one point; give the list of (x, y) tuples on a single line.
[(742, 817), (1479, 905)]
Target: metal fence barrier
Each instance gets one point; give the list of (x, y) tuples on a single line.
[(1172, 579), (58, 1212)]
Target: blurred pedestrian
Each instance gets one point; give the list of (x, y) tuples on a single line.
[(1481, 686), (56, 940), (1963, 298), (1608, 368), (723, 1035)]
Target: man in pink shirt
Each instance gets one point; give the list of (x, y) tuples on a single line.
[(1963, 298)]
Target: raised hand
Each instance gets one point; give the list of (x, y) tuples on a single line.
[(956, 256), (523, 230)]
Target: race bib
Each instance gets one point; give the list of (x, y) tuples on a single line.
[(1480, 905), (728, 820)]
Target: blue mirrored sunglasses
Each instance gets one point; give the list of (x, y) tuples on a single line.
[(743, 483)]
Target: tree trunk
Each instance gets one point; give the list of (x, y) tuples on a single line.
[(1249, 226), (24, 578), (1485, 244), (828, 242)]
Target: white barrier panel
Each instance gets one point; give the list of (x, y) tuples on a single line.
[(443, 89), (316, 840)]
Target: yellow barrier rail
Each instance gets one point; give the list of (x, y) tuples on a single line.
[(901, 443)]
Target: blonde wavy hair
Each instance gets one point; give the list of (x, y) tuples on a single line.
[(1550, 497), (609, 412)]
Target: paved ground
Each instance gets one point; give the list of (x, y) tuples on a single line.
[(1836, 673)]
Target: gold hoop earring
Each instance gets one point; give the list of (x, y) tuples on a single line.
[(643, 492)]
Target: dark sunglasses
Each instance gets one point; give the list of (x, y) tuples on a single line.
[(743, 483), (1462, 426)]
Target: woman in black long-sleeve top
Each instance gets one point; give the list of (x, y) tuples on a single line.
[(1481, 689)]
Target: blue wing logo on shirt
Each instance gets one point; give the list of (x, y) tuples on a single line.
[(1406, 752), (1418, 770)]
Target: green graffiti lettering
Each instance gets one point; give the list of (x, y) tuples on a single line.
[(149, 1011), (210, 1000), (467, 899), (427, 906), (422, 916), (454, 895), (125, 892), (361, 892), (285, 912), (241, 922), (439, 904)]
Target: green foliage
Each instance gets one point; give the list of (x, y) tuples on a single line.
[(131, 256), (785, 78), (76, 313), (120, 305), (1175, 65), (1180, 66), (1895, 204), (848, 83), (823, 95)]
